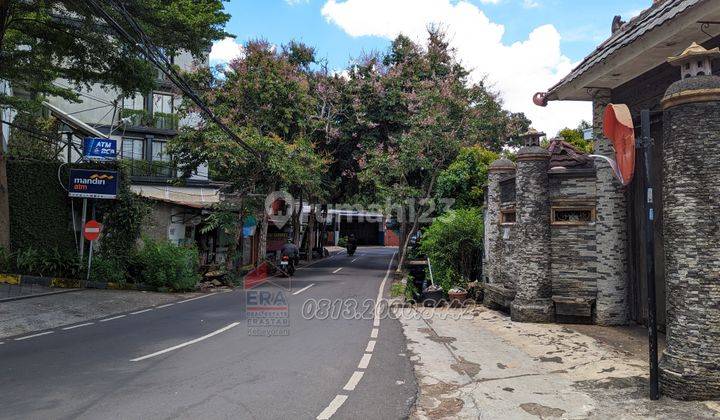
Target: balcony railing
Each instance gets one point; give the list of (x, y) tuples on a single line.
[(150, 169), (142, 118)]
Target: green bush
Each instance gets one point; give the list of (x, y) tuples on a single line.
[(6, 264), (448, 241), (106, 270), (165, 265), (342, 242), (46, 262)]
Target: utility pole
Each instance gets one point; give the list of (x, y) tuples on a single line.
[(646, 144)]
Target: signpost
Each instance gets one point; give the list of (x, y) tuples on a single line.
[(91, 183), (95, 148), (91, 231)]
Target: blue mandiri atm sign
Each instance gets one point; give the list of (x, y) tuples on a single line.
[(96, 148), (91, 183)]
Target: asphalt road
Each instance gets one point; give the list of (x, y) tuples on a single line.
[(197, 358)]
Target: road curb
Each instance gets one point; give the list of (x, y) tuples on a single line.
[(10, 299)]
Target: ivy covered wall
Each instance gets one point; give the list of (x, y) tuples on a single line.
[(40, 214)]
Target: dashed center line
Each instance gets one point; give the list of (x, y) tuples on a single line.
[(353, 260), (78, 326), (336, 403), (304, 289), (357, 376), (139, 312), (365, 361), (110, 319), (165, 305), (354, 380), (34, 335)]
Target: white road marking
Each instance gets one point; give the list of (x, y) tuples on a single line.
[(139, 312), (354, 380), (336, 403), (110, 319), (165, 305), (195, 298), (78, 326), (304, 289), (339, 399), (399, 382), (365, 361), (34, 335), (353, 260), (187, 343)]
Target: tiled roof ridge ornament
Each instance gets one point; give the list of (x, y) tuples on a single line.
[(532, 137), (695, 60)]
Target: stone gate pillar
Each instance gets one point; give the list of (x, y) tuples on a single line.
[(690, 366), (611, 305), (499, 169), (533, 288)]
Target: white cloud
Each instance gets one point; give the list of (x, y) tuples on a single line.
[(225, 50), (517, 70), (531, 4), (296, 2)]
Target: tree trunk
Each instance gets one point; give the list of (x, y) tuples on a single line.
[(262, 242), (297, 220), (413, 228), (237, 242), (310, 232)]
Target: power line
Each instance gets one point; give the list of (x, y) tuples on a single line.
[(153, 54)]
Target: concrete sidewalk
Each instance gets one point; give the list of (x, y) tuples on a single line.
[(483, 365), (42, 312)]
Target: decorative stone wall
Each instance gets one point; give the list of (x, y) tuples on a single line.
[(497, 249), (573, 267), (690, 366), (611, 228), (533, 286)]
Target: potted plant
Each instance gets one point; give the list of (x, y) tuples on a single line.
[(457, 296)]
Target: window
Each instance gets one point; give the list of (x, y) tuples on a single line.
[(133, 149), (134, 102), (508, 217), (160, 159), (164, 111), (572, 216), (163, 103)]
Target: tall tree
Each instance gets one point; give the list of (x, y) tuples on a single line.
[(45, 40), (265, 97)]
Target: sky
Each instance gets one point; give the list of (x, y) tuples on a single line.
[(520, 46)]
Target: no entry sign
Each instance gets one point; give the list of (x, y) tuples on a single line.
[(91, 231)]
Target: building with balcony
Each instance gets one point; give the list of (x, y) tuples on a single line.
[(143, 124)]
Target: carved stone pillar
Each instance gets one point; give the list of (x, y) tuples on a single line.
[(690, 366), (496, 269), (611, 306), (533, 289)]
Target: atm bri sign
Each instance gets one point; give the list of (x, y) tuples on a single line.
[(91, 183)]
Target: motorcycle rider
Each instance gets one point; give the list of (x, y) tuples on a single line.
[(291, 251), (351, 244)]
